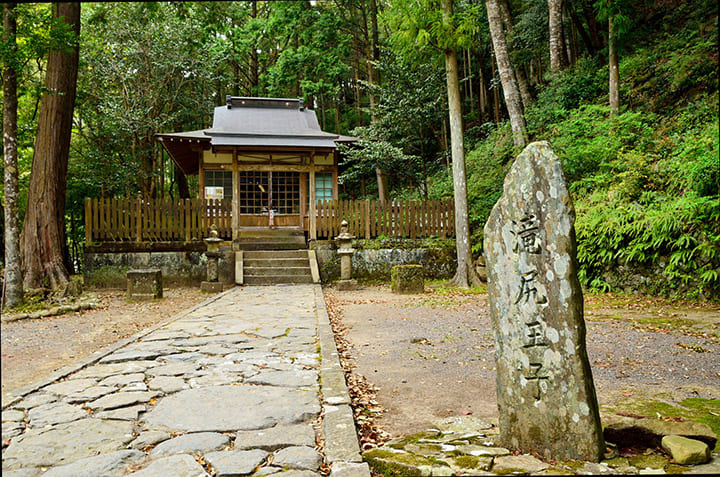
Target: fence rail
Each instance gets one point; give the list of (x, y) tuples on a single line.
[(371, 218), (155, 220), (166, 220)]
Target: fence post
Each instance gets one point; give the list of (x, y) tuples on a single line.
[(88, 221), (367, 219), (138, 219)]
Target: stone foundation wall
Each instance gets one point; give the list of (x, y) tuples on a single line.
[(106, 269), (374, 259)]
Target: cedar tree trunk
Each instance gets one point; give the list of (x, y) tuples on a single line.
[(510, 91), (43, 232), (465, 273), (13, 292), (614, 83), (557, 56), (373, 53), (522, 80)]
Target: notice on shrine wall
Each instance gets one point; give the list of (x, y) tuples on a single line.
[(214, 193), (546, 396)]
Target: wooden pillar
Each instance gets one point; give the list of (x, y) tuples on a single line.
[(202, 210), (311, 212), (303, 198), (336, 159), (235, 198)]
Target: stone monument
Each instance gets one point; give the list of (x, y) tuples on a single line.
[(545, 392)]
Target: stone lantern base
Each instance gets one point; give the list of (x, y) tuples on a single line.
[(211, 287), (347, 285)]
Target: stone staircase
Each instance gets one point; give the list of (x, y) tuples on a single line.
[(271, 257), (271, 239)]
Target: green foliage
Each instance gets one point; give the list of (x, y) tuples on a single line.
[(578, 85), (683, 232), (644, 182), (486, 167)]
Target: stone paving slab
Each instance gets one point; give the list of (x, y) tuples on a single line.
[(230, 387)]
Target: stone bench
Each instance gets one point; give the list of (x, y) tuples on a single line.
[(407, 279), (144, 284)]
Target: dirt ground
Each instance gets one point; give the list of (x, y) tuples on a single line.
[(32, 349), (431, 355)]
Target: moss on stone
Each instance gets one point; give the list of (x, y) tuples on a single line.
[(617, 462), (575, 465), (107, 276), (407, 279), (401, 442), (673, 469), (390, 463), (510, 471), (556, 471), (654, 461), (691, 409), (466, 461), (706, 411)]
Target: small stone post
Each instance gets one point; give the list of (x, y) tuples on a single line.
[(213, 254), (345, 250)]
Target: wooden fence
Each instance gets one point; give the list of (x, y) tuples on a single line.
[(399, 218), (155, 220), (166, 220)]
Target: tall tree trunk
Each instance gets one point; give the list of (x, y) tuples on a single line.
[(181, 181), (557, 46), (496, 95), (571, 38), (614, 83), (482, 93), (43, 232), (254, 65), (591, 20), (520, 76), (510, 91), (465, 273), (13, 292), (470, 83), (374, 55), (583, 33)]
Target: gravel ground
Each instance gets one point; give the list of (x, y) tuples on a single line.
[(32, 349), (432, 356)]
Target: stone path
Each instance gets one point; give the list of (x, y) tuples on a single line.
[(247, 383)]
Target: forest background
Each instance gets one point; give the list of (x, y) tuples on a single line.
[(626, 92)]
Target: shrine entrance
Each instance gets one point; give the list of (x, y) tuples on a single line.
[(269, 198)]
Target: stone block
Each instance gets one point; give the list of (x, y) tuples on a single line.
[(407, 279), (347, 285), (686, 451), (144, 284), (211, 287)]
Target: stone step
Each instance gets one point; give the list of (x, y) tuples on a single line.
[(277, 279), (272, 245), (272, 238), (269, 271), (264, 232), (274, 254), (276, 262)]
